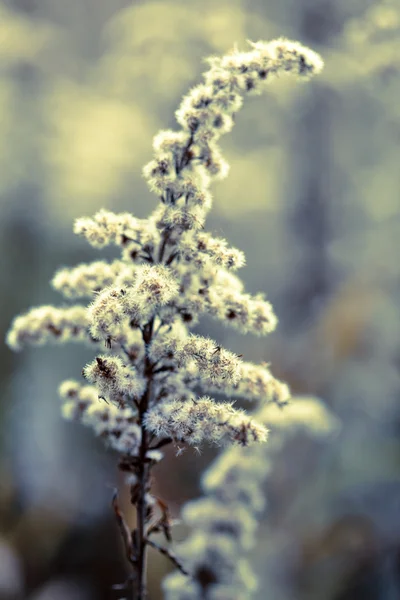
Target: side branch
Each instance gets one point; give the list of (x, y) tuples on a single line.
[(124, 530), (169, 555)]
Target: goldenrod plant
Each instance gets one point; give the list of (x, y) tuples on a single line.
[(224, 521), (151, 381)]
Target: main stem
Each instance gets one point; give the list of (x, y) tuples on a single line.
[(143, 476), (143, 468)]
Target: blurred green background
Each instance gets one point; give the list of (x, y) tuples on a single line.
[(313, 200)]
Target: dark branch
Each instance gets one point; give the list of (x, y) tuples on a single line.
[(161, 443), (124, 530), (169, 555)]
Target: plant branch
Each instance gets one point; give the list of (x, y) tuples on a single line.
[(124, 530), (142, 472), (166, 369), (161, 443), (169, 555)]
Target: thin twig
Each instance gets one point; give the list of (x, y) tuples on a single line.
[(170, 369), (161, 443), (124, 530), (185, 155), (162, 247), (163, 524), (171, 258), (169, 555), (147, 257)]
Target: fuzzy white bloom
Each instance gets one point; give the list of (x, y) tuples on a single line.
[(179, 587), (172, 142), (202, 247), (170, 344), (196, 283), (206, 112), (203, 420), (114, 378), (70, 388), (154, 286), (199, 115), (227, 279), (234, 521), (215, 164), (137, 237), (78, 399), (105, 227), (237, 475), (173, 386), (247, 72), (284, 56), (100, 416), (106, 313), (180, 219), (217, 572), (242, 311), (142, 246), (48, 324), (191, 186), (118, 427), (255, 382), (305, 413), (213, 362), (200, 356), (129, 341), (160, 173), (86, 279)]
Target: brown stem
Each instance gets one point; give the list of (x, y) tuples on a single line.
[(142, 472), (143, 475), (161, 443), (171, 258), (186, 158), (169, 554), (163, 246), (141, 519), (124, 529)]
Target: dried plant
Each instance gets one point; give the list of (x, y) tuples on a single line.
[(142, 387), (224, 522)]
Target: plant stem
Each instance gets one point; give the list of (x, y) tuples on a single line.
[(143, 475), (143, 470), (141, 520), (165, 552)]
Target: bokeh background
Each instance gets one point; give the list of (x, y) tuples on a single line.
[(313, 200)]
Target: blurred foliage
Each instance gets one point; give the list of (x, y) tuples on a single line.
[(312, 198)]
